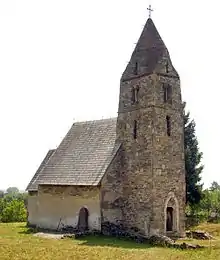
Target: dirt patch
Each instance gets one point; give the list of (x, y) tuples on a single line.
[(50, 236)]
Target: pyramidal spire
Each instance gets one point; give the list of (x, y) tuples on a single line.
[(150, 54)]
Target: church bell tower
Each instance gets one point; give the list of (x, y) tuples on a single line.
[(151, 130)]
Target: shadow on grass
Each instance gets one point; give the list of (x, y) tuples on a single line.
[(28, 231), (104, 241), (33, 230), (96, 240)]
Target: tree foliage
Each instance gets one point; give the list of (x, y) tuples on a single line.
[(214, 186), (12, 190), (208, 209), (1, 194), (14, 211), (192, 162), (209, 206), (12, 206)]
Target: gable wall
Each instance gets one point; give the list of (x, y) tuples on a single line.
[(64, 202)]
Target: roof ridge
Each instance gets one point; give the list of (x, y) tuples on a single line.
[(95, 120)]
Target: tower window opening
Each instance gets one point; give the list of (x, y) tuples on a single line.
[(135, 130), (136, 68), (167, 67), (134, 95), (167, 93), (168, 125), (137, 94)]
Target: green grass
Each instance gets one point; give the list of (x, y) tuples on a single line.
[(16, 243)]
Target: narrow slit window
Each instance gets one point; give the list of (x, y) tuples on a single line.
[(167, 67), (136, 94), (168, 125), (167, 93), (135, 130), (164, 93), (136, 68), (133, 95)]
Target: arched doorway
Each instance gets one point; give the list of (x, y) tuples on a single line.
[(83, 219), (171, 214), (169, 219)]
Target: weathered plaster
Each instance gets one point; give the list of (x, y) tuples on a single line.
[(55, 203), (32, 207)]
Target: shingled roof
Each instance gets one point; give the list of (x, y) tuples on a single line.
[(83, 156), (149, 50), (32, 185)]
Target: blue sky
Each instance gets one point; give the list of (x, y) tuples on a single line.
[(61, 61)]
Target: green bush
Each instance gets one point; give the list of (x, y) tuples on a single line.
[(13, 211)]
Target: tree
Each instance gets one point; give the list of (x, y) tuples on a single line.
[(2, 205), (14, 211), (11, 194), (12, 190), (206, 203), (12, 206), (214, 186), (192, 162), (1, 194), (210, 204)]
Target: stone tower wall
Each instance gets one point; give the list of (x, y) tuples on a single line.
[(111, 195), (168, 158), (153, 166)]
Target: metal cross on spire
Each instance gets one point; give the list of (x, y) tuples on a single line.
[(150, 10)]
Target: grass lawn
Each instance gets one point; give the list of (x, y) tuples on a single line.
[(16, 243)]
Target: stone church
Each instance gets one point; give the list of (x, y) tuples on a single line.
[(129, 169)]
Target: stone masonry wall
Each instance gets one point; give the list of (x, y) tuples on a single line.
[(153, 164), (168, 159), (137, 164), (112, 192)]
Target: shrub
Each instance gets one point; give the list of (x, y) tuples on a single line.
[(14, 211)]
